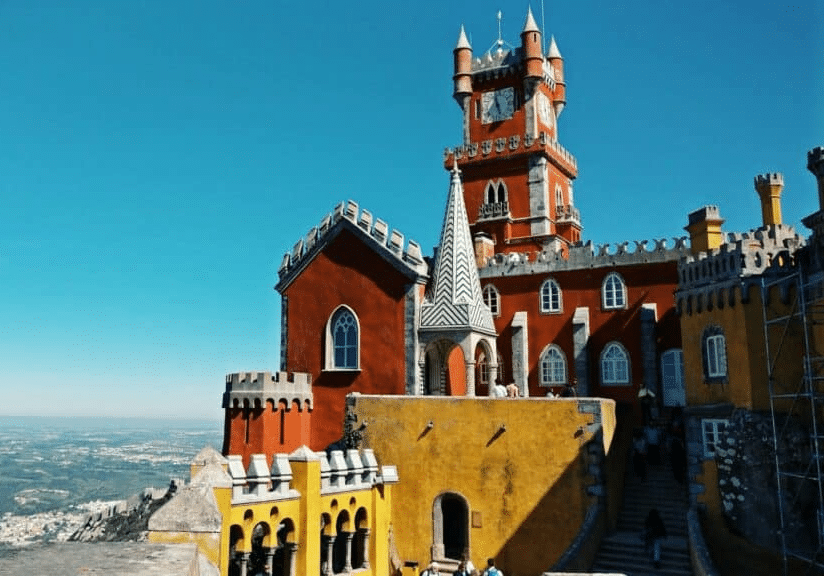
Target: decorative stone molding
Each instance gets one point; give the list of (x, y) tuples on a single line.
[(255, 389), (405, 255), (515, 145), (583, 256)]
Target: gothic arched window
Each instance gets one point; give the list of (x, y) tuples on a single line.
[(553, 366), (614, 365), (343, 340), (551, 296), (492, 299), (614, 291)]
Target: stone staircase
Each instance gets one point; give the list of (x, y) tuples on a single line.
[(623, 551)]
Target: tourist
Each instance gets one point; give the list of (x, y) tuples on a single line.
[(653, 437), (465, 568), (654, 532), (512, 390), (491, 570), (432, 570), (499, 391)]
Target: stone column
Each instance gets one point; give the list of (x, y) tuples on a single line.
[(649, 315), (327, 570), (470, 379), (347, 567), (365, 533), (520, 353), (580, 341), (291, 558), (270, 559)]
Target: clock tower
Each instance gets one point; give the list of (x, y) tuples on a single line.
[(517, 177)]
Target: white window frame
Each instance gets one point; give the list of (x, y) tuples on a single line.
[(492, 299), (711, 431), (614, 292), (498, 190), (553, 361), (550, 290), (331, 344), (613, 368), (716, 354), (559, 196)]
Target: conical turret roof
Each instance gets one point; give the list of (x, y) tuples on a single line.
[(463, 42), (529, 24), (456, 302), (553, 48)]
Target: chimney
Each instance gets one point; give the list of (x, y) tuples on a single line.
[(704, 226), (769, 188), (484, 249)]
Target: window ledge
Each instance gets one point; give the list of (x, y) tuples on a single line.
[(345, 370)]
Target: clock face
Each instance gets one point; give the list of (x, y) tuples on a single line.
[(544, 109), (497, 105)]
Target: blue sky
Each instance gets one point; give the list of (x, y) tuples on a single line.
[(158, 158)]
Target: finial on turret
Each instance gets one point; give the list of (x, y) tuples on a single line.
[(529, 24), (455, 170), (463, 42), (553, 48)]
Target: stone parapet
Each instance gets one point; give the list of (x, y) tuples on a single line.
[(391, 244), (256, 388), (513, 145), (341, 472), (769, 249), (584, 256)]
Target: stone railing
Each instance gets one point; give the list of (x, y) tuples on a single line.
[(493, 210), (391, 243), (245, 388), (583, 256), (766, 249), (339, 472), (568, 213), (513, 144)]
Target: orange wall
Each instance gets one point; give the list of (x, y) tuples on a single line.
[(346, 272)]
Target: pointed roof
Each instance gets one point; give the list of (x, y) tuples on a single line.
[(530, 25), (462, 40), (553, 48), (456, 301)]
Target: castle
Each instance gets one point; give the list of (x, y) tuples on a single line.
[(391, 356)]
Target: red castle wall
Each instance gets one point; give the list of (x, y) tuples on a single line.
[(346, 272)]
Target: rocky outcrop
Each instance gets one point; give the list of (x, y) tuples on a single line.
[(126, 521)]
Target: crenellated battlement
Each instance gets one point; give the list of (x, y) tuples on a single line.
[(768, 179), (765, 250), (389, 243), (255, 389), (503, 147), (340, 472), (500, 63), (583, 256)]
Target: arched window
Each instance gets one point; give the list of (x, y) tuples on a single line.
[(559, 195), (492, 299), (551, 296), (714, 347), (495, 200), (343, 340), (614, 291), (553, 366), (614, 365)]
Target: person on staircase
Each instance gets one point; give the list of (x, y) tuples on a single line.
[(654, 533)]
